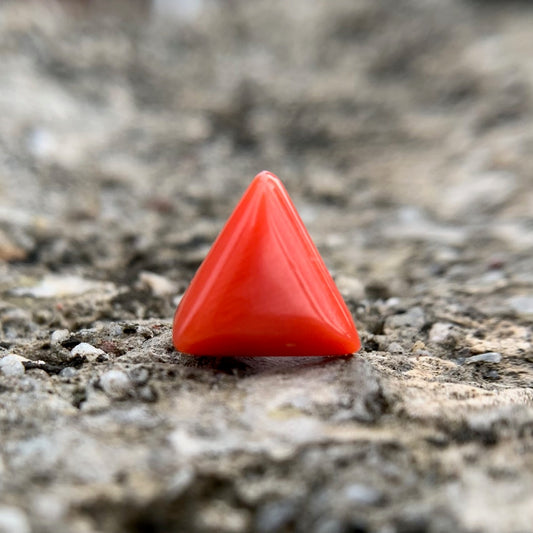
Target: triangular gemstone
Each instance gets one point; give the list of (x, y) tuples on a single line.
[(263, 289)]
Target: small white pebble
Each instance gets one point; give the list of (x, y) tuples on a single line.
[(13, 520), (392, 302), (11, 365), (68, 372), (439, 332), (116, 384), (159, 285), (489, 357), (87, 350), (59, 335)]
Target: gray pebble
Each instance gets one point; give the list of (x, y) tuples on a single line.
[(139, 375), (413, 318), (11, 365), (395, 347), (116, 384), (440, 331), (489, 357)]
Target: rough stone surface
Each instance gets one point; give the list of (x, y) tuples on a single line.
[(84, 349), (403, 130)]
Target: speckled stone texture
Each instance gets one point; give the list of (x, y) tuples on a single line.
[(403, 130)]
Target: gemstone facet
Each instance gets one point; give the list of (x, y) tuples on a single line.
[(263, 289)]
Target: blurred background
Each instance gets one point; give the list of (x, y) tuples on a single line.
[(402, 129), (129, 125)]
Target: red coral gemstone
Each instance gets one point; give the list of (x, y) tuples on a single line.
[(263, 289)]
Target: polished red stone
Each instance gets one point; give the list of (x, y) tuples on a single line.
[(263, 289)]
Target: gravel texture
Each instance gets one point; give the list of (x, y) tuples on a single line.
[(403, 130)]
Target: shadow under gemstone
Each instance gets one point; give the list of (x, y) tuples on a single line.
[(257, 365)]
